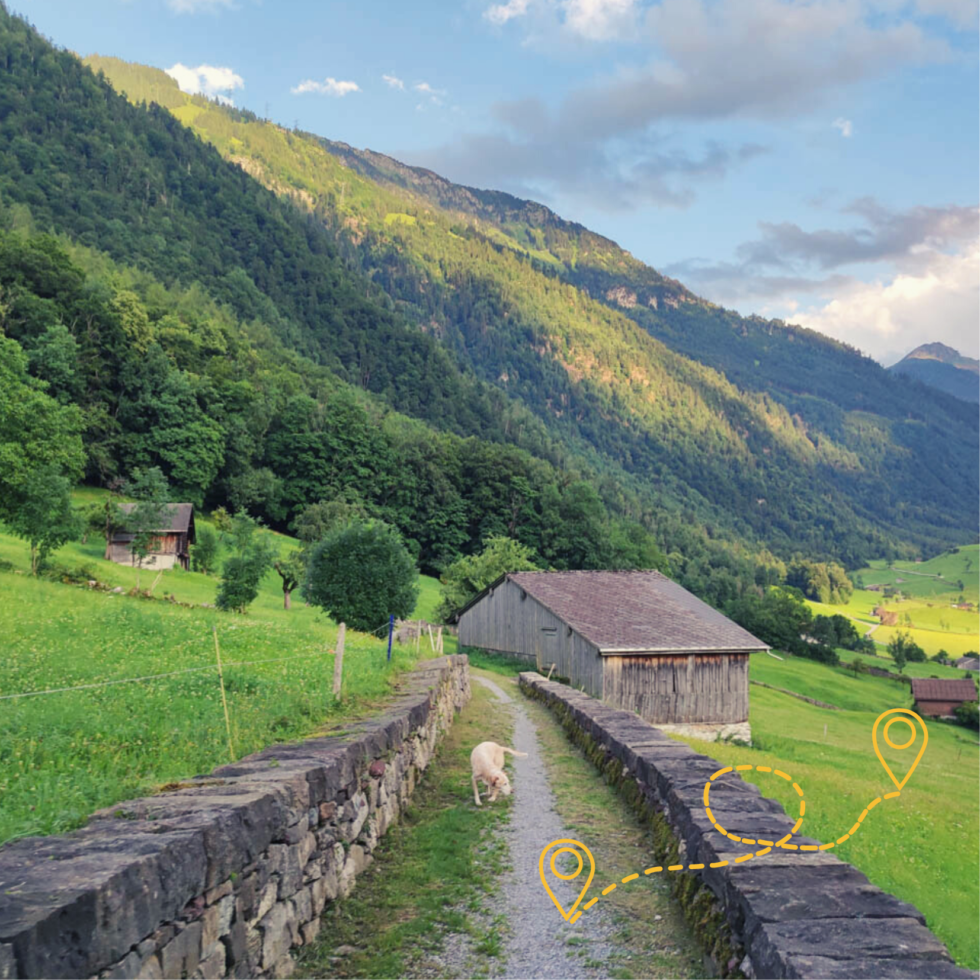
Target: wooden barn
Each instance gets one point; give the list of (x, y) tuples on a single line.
[(171, 544), (635, 639), (937, 698)]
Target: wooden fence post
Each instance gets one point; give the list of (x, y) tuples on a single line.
[(418, 635), (432, 642), (224, 699), (338, 659), (439, 648), (550, 672)]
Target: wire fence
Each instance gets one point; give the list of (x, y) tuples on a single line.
[(153, 677), (175, 673)]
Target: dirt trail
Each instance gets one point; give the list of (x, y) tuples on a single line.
[(540, 943)]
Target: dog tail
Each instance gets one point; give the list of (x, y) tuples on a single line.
[(514, 752)]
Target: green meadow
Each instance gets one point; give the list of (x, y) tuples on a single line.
[(929, 590), (923, 846), (68, 753)]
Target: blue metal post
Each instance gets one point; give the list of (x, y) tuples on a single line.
[(391, 630)]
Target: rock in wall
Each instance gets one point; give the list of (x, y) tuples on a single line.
[(225, 876)]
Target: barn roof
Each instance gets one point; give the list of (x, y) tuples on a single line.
[(932, 689), (177, 517), (634, 612)]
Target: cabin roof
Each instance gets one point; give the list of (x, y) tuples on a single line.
[(933, 689), (177, 517), (632, 612)]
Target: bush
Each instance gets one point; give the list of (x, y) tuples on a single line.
[(69, 574), (361, 574), (904, 649), (778, 618), (204, 554), (252, 557), (968, 714), (470, 575), (817, 651)]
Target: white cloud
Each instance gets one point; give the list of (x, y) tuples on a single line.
[(197, 6), (392, 81), (210, 80), (500, 13), (600, 20), (925, 283), (845, 126), (434, 94), (888, 317), (329, 86)]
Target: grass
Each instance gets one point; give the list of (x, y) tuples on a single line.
[(925, 612), (652, 939), (937, 576), (497, 663), (432, 872), (430, 595), (955, 644), (67, 754), (924, 669), (923, 846)]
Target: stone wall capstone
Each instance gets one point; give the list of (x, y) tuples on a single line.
[(784, 914), (224, 876)]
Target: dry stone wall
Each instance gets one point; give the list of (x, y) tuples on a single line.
[(225, 876), (785, 914)]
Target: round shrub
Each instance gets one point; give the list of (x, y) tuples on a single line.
[(361, 574)]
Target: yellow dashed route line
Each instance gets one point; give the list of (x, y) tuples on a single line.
[(768, 844)]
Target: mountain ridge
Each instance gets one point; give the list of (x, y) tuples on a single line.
[(942, 368), (469, 329), (845, 421)]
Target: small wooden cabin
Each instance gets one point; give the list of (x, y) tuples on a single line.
[(171, 544), (937, 698), (636, 640)]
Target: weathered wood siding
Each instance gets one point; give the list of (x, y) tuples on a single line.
[(697, 687), (937, 709), (166, 550), (510, 621)]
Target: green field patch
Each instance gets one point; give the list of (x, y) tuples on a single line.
[(187, 114), (400, 218)]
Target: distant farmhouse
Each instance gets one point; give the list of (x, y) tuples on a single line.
[(969, 663), (171, 544), (636, 640), (940, 698)]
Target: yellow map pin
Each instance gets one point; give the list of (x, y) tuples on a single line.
[(898, 718), (577, 849)]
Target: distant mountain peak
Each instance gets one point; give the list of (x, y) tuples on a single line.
[(946, 355), (944, 368)]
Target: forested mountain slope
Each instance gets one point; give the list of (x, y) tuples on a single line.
[(755, 353), (264, 345), (817, 448)]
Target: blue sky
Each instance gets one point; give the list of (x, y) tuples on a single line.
[(816, 161)]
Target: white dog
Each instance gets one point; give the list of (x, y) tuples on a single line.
[(487, 760)]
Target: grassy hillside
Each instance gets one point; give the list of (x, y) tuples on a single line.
[(922, 847), (496, 292), (65, 754), (929, 591)]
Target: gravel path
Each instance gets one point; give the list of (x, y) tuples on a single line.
[(540, 943)]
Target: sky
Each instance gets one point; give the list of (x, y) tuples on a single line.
[(814, 161)]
